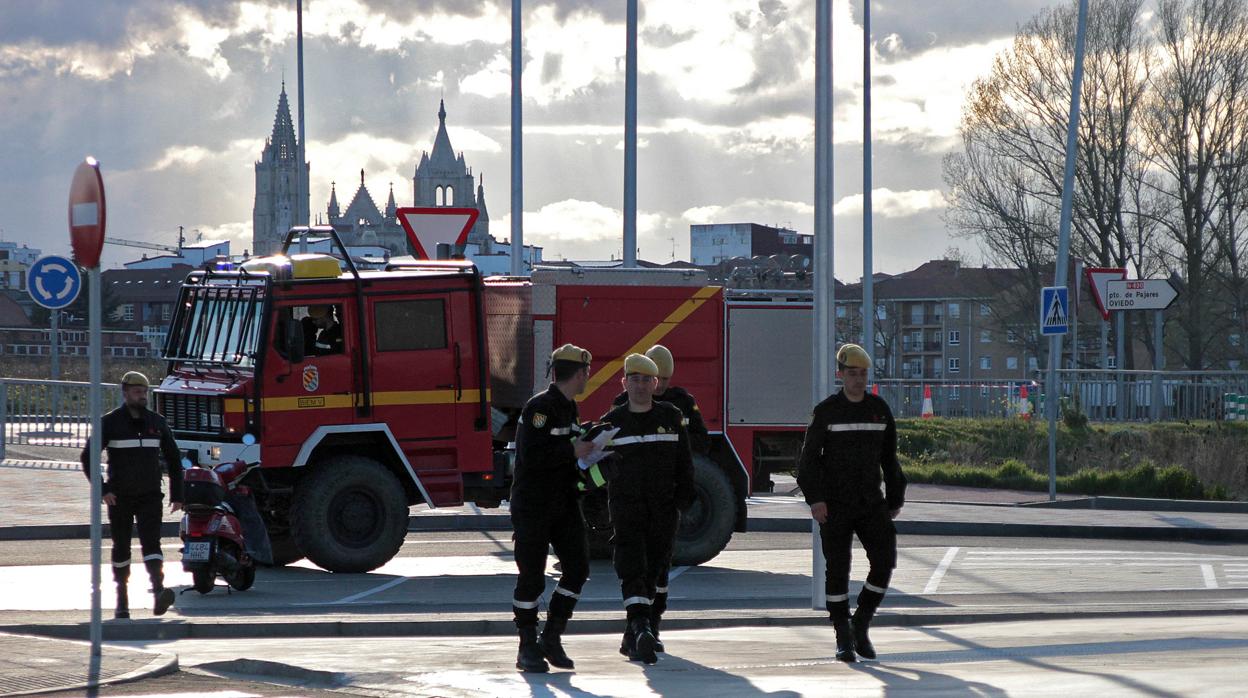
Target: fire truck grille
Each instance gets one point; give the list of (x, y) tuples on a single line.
[(191, 413)]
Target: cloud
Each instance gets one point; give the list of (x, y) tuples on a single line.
[(886, 203), (575, 229)]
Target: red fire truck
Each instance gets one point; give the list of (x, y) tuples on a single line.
[(418, 400)]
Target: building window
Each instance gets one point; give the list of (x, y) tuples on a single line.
[(955, 310), (1011, 336), (916, 314), (127, 312), (166, 311), (955, 365), (983, 391), (840, 311), (1111, 361), (985, 363), (985, 336), (955, 393), (1011, 363), (1032, 364), (437, 197), (955, 338), (1233, 339), (983, 310), (450, 196)]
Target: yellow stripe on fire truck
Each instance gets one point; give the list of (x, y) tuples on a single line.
[(346, 400)]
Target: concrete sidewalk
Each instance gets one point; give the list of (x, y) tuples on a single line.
[(30, 665)]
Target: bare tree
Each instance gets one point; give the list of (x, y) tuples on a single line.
[(1192, 123)]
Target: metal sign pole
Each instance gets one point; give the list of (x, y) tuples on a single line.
[(868, 266), (1121, 317), (93, 396), (630, 136), (1063, 246), (1159, 362), (517, 142), (824, 335)]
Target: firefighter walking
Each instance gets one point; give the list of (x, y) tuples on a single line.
[(650, 482), (850, 442), (136, 438), (544, 511)]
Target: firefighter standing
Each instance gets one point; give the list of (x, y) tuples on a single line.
[(650, 483), (544, 511), (699, 439), (852, 439), (135, 436)]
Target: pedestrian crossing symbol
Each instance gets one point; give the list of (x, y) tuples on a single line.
[(1054, 310)]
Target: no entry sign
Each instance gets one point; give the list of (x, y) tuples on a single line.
[(86, 213)]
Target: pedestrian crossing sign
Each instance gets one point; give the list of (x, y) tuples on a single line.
[(1054, 310)]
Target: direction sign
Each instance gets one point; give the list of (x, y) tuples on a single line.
[(1097, 278), (426, 227), (1054, 310), (1140, 294), (86, 213), (53, 282)]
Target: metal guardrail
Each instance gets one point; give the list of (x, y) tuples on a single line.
[(49, 413), (1100, 395)]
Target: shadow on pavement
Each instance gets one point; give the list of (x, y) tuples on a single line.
[(699, 679), (910, 681), (557, 684)]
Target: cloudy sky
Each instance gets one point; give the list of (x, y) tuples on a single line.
[(175, 98)]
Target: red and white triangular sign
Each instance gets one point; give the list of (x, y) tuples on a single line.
[(1098, 278), (426, 227)]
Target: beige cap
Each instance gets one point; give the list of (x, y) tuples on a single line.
[(662, 358), (853, 355), (571, 352), (134, 378), (640, 363)]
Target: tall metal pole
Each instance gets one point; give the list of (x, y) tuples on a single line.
[(824, 334), (630, 137), (517, 143), (1051, 388), (1159, 362), (302, 214), (868, 267), (56, 347), (93, 397), (1121, 351)]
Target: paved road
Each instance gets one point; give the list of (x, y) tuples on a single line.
[(1153, 657), (465, 578)]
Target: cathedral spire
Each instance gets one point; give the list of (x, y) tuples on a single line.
[(283, 139), (443, 159), (391, 208), (333, 201)]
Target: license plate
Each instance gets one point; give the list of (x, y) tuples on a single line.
[(197, 552)]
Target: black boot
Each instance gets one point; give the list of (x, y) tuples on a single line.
[(627, 642), (643, 642), (162, 598), (122, 609), (552, 646), (860, 623), (844, 641), (529, 658), (655, 619)]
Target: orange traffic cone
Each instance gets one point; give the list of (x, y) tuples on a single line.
[(1024, 402), (928, 412)]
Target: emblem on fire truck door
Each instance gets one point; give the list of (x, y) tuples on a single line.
[(311, 378)]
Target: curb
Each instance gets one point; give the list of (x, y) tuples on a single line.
[(505, 627), (161, 664), (497, 522)]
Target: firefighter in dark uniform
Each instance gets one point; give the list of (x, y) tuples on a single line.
[(648, 486), (544, 511), (699, 443), (136, 439), (322, 332), (851, 440), (699, 439)]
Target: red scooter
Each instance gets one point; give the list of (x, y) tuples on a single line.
[(212, 535)]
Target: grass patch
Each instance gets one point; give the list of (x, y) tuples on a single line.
[(1143, 480)]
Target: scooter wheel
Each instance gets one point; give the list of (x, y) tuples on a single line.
[(204, 580), (243, 578)]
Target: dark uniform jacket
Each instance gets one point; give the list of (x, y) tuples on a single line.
[(699, 439), (321, 342), (546, 472), (134, 447), (653, 469), (847, 447)]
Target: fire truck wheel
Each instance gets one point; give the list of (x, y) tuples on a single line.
[(350, 514), (706, 527)]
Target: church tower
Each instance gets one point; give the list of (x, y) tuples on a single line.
[(443, 179), (279, 181)]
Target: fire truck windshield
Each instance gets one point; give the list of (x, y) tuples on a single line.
[(217, 325)]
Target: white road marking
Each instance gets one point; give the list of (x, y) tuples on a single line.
[(1211, 581), (676, 573), (939, 573), (368, 592)]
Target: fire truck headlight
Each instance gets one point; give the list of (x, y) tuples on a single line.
[(214, 453)]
